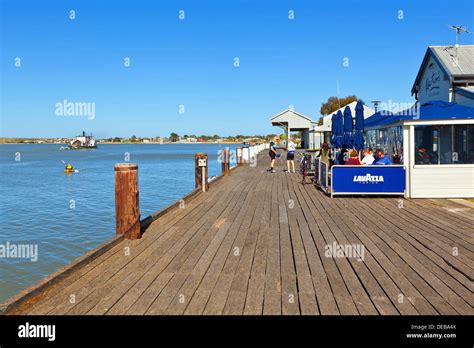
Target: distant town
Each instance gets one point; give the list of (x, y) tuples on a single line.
[(172, 138)]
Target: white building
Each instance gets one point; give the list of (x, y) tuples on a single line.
[(437, 135), (292, 121), (323, 132), (313, 134), (446, 74)]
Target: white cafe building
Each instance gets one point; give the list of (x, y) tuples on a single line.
[(436, 140)]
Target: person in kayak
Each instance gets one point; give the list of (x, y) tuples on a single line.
[(69, 168)]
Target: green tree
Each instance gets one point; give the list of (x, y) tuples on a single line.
[(117, 140), (174, 137), (333, 103), (133, 139)]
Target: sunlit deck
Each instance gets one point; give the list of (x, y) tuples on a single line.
[(255, 244)]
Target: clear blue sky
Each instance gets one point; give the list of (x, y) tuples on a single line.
[(282, 62)]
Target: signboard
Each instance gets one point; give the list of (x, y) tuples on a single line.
[(323, 175), (376, 180)]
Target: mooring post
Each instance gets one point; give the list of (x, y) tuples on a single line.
[(225, 162), (240, 161), (127, 209), (201, 171)]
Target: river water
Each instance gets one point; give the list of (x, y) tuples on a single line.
[(64, 216)]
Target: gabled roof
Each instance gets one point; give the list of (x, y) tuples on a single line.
[(456, 62), (292, 111)]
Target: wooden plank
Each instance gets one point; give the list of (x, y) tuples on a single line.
[(204, 290), (140, 252)]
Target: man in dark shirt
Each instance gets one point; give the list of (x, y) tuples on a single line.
[(273, 153)]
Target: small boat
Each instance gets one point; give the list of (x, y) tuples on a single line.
[(83, 142)]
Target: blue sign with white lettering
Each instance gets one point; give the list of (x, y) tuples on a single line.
[(368, 179)]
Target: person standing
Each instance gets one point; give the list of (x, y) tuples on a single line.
[(324, 153), (290, 156), (272, 152)]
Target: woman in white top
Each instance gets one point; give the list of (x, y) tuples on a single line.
[(290, 156), (368, 157)]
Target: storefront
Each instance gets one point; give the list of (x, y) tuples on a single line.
[(436, 145)]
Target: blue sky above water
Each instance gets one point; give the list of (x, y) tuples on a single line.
[(190, 62)]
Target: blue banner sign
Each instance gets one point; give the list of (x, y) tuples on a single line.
[(373, 179)]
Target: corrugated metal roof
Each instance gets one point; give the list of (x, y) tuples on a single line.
[(463, 66), (456, 60)]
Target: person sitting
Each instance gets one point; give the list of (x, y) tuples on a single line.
[(422, 156), (381, 158), (343, 156), (368, 156), (353, 159)]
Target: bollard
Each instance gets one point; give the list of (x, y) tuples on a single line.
[(225, 162), (200, 166), (127, 209)]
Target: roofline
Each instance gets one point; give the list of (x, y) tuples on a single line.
[(429, 52), (464, 92), (293, 111)]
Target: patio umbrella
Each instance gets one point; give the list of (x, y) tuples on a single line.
[(333, 130), (359, 126), (348, 126), (339, 130)]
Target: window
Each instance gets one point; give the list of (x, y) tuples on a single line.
[(445, 144)]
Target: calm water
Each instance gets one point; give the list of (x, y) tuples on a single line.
[(36, 206)]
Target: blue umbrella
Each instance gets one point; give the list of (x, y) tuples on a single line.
[(359, 126), (338, 130), (348, 126), (333, 130)]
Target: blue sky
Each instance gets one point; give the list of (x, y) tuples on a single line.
[(190, 62)]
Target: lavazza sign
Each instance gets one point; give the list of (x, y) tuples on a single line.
[(368, 179)]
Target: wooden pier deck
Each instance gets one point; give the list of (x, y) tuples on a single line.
[(255, 244)]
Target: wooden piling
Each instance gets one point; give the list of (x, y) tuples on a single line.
[(225, 162), (198, 170), (127, 209)]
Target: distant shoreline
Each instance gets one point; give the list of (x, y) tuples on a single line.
[(126, 143)]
